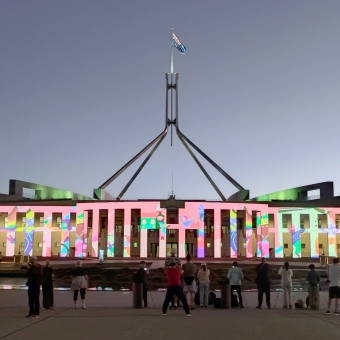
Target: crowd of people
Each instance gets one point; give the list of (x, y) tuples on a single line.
[(187, 286)]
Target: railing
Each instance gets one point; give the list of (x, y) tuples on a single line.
[(32, 196), (313, 197)]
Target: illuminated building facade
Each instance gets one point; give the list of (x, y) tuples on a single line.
[(151, 228)]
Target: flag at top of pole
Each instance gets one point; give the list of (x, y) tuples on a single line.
[(176, 43)]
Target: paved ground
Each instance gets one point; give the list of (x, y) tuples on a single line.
[(109, 315)]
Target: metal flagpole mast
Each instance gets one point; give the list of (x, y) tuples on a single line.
[(171, 73)]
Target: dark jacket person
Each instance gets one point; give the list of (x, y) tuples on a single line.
[(140, 277), (34, 276), (263, 282)]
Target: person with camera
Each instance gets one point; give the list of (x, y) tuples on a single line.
[(287, 284), (235, 276), (34, 277), (140, 277), (333, 273)]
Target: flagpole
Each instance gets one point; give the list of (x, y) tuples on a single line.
[(172, 55), (171, 73)]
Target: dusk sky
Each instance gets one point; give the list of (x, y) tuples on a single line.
[(82, 90)]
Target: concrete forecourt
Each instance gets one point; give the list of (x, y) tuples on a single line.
[(110, 315)]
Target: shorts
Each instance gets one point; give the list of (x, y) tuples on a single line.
[(190, 288), (334, 292)]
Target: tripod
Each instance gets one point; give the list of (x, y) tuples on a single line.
[(152, 299)]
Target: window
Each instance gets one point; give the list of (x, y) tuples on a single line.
[(208, 245), (23, 222), (284, 223), (41, 222), (6, 222), (338, 246), (336, 223), (320, 246), (303, 246), (302, 223), (319, 223), (286, 245), (135, 245), (59, 222)]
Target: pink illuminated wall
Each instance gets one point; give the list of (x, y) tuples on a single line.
[(190, 217)]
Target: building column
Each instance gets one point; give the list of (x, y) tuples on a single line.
[(80, 232), (217, 233), (314, 234), (233, 234), (29, 233), (296, 235), (143, 245), (95, 232), (127, 233), (181, 242), (110, 252), (65, 235), (264, 235), (332, 250), (47, 238), (249, 234), (162, 237), (258, 235), (278, 236), (10, 235)]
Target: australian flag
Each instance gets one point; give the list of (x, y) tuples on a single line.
[(178, 44)]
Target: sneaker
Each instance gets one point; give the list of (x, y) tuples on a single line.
[(163, 314), (241, 306), (192, 307), (336, 313), (146, 305), (205, 306), (328, 312), (188, 314), (75, 306), (202, 306), (83, 307), (258, 307), (28, 315), (35, 317)]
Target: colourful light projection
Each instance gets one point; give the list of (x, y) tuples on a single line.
[(29, 230), (65, 235), (249, 233), (269, 228), (110, 248), (233, 234)]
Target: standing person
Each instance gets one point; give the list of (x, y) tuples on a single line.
[(169, 259), (140, 277), (190, 288), (313, 279), (79, 283), (173, 274), (47, 286), (287, 284), (203, 278), (34, 276), (235, 276), (263, 282), (333, 274)]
